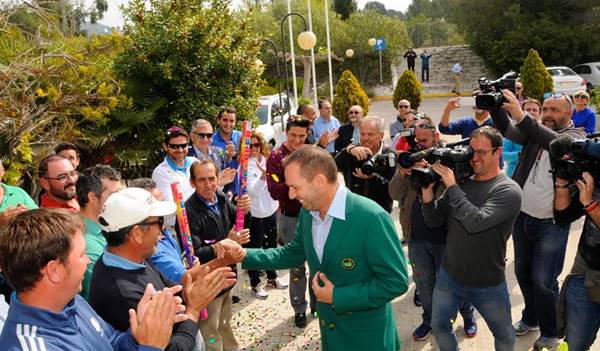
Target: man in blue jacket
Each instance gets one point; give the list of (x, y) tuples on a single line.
[(42, 254)]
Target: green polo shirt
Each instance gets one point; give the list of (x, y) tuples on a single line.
[(94, 247), (13, 196)]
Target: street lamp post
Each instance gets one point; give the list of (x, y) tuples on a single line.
[(272, 43), (306, 41)]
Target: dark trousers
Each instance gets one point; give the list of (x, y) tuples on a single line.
[(540, 247), (411, 66), (425, 73), (263, 234)]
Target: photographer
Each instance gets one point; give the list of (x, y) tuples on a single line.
[(373, 155), (479, 215), (540, 243), (579, 305), (426, 245)]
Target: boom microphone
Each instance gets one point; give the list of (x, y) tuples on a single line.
[(561, 146)]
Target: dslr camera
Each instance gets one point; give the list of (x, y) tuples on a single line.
[(456, 156), (491, 97), (379, 164), (571, 157)]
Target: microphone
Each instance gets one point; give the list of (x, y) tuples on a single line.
[(561, 146)]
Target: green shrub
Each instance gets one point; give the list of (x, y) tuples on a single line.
[(303, 100), (348, 93), (267, 90), (409, 88), (534, 76)]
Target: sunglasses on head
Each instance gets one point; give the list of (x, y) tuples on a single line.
[(298, 121), (173, 130), (204, 135), (558, 96), (177, 146)]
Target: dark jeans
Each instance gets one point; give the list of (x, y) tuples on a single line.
[(425, 73), (540, 247), (492, 302), (411, 66), (263, 234), (426, 259), (583, 315)]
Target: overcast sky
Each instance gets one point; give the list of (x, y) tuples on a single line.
[(113, 17)]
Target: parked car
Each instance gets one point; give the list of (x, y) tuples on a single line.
[(590, 72), (565, 80), (271, 115)]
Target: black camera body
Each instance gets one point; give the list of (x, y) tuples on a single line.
[(572, 157), (378, 164), (491, 98)]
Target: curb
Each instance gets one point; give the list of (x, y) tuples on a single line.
[(425, 95)]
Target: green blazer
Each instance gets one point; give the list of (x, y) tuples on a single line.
[(363, 258)]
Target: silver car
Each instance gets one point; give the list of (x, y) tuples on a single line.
[(590, 72), (565, 80)]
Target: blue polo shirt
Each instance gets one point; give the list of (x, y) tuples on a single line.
[(167, 257), (321, 126), (236, 136)]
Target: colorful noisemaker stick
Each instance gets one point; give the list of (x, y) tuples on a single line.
[(243, 175), (184, 233)]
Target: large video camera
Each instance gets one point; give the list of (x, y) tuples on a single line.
[(571, 157), (378, 164), (491, 98), (456, 156)]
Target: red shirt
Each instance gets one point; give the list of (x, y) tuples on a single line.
[(48, 202), (276, 182)]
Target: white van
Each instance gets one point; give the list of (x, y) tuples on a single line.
[(271, 115)]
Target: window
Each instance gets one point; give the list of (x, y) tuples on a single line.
[(582, 69), (262, 114)]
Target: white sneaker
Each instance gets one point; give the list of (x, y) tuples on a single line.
[(276, 283), (260, 292)]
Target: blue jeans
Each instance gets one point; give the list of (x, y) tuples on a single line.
[(426, 259), (492, 302), (540, 247), (583, 315)]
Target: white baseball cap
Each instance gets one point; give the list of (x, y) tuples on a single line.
[(131, 206)]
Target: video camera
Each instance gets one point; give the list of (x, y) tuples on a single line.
[(491, 98), (571, 157), (378, 164), (456, 156)]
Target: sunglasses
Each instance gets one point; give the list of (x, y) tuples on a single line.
[(354, 112), (403, 106), (255, 145), (558, 96), (204, 135), (580, 96), (425, 126), (178, 146), (160, 221)]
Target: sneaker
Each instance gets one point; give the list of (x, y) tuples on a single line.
[(422, 332), (260, 292), (300, 320), (470, 328), (277, 283), (544, 343), (416, 299), (521, 328)]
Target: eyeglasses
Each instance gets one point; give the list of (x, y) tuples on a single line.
[(354, 112), (64, 176), (204, 135), (255, 145), (558, 96), (160, 221), (580, 96), (403, 106), (482, 153), (177, 146)]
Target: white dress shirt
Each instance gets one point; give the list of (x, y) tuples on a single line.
[(320, 227)]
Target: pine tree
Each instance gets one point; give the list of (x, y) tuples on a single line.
[(344, 8), (409, 88), (534, 76), (348, 92)]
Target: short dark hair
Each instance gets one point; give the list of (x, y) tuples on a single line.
[(312, 160), (90, 180), (224, 109), (297, 121), (301, 108), (199, 163), (43, 167), (175, 132), (33, 239), (117, 238), (144, 183), (66, 146), (491, 133), (322, 100)]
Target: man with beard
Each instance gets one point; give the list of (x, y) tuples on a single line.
[(540, 243), (58, 178), (354, 275)]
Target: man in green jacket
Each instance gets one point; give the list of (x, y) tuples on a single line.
[(356, 262)]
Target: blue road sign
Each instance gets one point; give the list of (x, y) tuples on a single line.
[(380, 45)]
